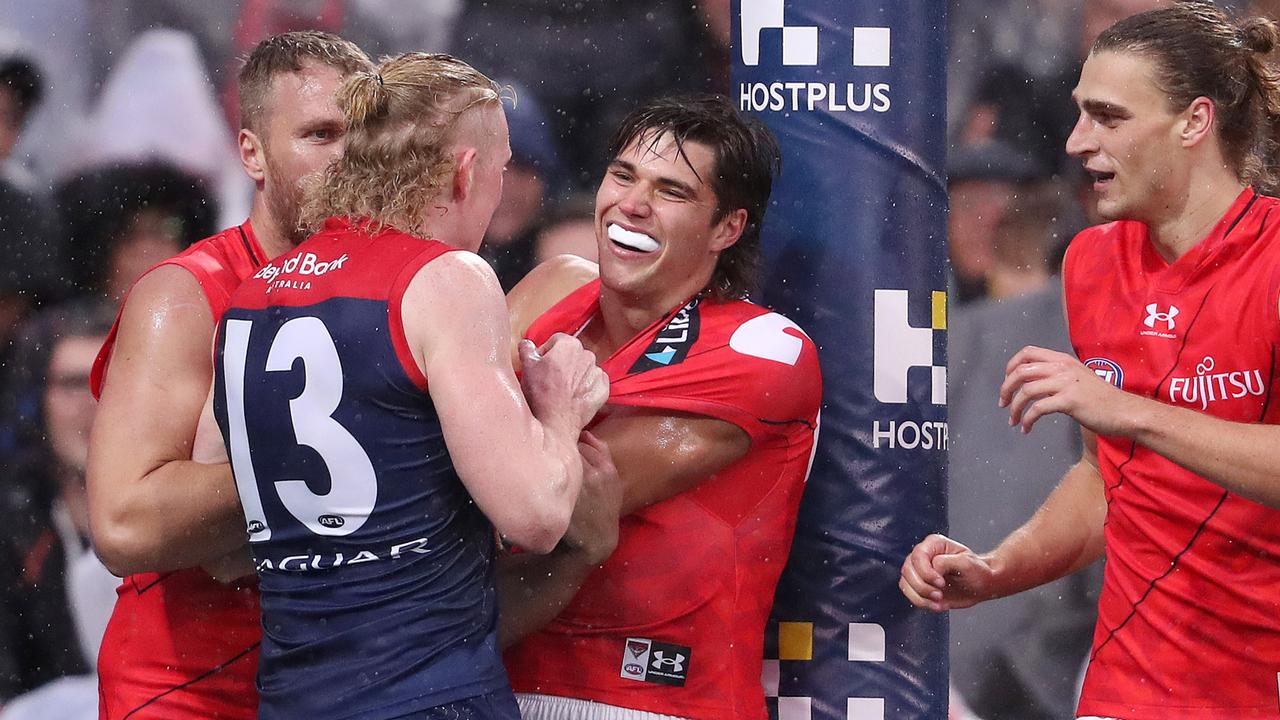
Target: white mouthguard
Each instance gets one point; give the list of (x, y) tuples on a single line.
[(633, 240)]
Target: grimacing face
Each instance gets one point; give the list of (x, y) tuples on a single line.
[(655, 220), (1126, 136), (302, 131)]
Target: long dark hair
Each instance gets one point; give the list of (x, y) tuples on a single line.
[(1201, 52), (746, 159)]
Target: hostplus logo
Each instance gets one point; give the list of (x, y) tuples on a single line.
[(870, 47), (867, 648), (899, 348)]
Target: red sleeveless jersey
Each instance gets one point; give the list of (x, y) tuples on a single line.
[(180, 644), (674, 622), (1189, 617)]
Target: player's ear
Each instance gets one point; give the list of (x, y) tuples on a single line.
[(729, 229), (252, 156), (1197, 121), (464, 175)]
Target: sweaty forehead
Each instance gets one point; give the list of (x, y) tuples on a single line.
[(692, 161), (314, 87), (1118, 78)]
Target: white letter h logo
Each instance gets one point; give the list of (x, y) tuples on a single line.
[(900, 347), (799, 44)]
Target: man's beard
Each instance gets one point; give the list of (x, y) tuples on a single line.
[(285, 205)]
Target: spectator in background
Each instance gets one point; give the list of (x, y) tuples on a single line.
[(1030, 239), (587, 68), (20, 92), (1017, 658), (1021, 59), (569, 230), (121, 220), (717, 24), (27, 225), (159, 105), (984, 181), (532, 182), (31, 271), (117, 222), (56, 596)]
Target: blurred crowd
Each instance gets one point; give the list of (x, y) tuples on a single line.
[(118, 149)]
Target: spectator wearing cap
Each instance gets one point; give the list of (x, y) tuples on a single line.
[(1017, 658), (532, 183), (985, 181)]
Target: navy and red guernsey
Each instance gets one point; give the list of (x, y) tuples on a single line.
[(674, 622), (180, 644), (1189, 617), (375, 565)]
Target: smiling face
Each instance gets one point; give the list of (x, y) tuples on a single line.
[(1128, 138), (656, 224)]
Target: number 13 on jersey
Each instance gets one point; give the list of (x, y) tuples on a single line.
[(354, 489)]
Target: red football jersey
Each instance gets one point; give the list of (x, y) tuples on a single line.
[(180, 644), (674, 621), (1189, 617)]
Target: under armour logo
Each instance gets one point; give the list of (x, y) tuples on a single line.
[(1154, 315), (673, 664)]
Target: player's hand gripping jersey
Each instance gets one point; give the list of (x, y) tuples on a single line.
[(674, 622), (375, 565), (180, 644), (1189, 618)]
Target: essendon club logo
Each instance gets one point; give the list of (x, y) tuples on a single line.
[(672, 343), (650, 661)]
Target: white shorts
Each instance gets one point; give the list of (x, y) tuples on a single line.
[(551, 707)]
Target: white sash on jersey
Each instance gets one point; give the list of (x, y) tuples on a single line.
[(551, 707)]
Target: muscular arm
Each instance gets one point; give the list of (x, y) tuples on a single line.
[(1240, 457), (151, 508), (521, 467), (660, 453), (544, 286), (657, 454), (1063, 536)]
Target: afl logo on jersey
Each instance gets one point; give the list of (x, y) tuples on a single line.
[(1107, 370), (332, 521)]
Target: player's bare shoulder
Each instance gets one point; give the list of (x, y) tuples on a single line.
[(166, 313), (164, 291), (451, 301), (544, 286)]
